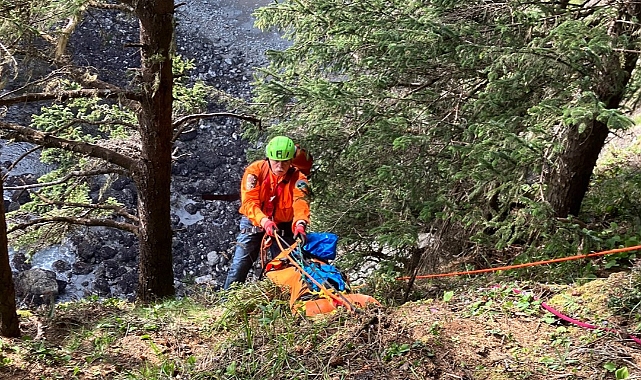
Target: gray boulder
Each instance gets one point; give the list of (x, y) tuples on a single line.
[(37, 285)]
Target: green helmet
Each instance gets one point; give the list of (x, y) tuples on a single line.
[(281, 148)]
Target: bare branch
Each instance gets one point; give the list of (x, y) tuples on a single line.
[(17, 161), (72, 220), (21, 133), (49, 76), (65, 95), (66, 178), (180, 124), (118, 7), (9, 56), (65, 34)]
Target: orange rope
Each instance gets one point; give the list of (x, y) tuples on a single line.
[(602, 253)]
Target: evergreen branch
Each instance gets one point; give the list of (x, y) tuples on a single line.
[(66, 95), (119, 210), (73, 220), (65, 178), (180, 124), (98, 122), (25, 134)]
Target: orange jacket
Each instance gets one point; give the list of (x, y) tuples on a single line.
[(259, 184)]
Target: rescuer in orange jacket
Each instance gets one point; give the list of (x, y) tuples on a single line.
[(273, 200)]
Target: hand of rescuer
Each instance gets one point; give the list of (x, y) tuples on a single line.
[(300, 233), (269, 226)]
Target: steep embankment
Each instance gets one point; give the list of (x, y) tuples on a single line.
[(475, 329)]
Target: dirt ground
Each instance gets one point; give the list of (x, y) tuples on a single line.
[(493, 332)]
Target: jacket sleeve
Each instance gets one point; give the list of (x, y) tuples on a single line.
[(250, 188), (301, 199)]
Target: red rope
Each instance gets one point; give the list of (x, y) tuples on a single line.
[(516, 266), (580, 323)]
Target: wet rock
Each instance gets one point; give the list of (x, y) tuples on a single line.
[(191, 208), (121, 183), (106, 253), (101, 287), (19, 262), (127, 282), (213, 258), (112, 269), (127, 255), (61, 266), (81, 268), (62, 285), (204, 279), (36, 282)]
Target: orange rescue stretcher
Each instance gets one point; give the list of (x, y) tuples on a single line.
[(286, 270)]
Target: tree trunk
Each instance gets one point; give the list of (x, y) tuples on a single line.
[(153, 171), (569, 180), (9, 325)]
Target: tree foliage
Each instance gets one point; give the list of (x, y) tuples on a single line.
[(451, 117), (91, 127)]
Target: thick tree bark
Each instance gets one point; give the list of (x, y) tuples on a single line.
[(153, 171), (9, 325), (569, 179)]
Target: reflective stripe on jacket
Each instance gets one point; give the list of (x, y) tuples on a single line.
[(259, 184)]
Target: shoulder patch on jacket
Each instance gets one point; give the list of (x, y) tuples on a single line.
[(303, 186), (251, 181)]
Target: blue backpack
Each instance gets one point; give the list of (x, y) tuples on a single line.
[(321, 245), (326, 275)]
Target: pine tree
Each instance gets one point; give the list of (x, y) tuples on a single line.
[(480, 119)]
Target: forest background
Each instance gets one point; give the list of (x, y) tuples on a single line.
[(478, 125)]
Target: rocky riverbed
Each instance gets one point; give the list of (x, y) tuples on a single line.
[(220, 37)]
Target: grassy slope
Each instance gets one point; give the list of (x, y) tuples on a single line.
[(473, 328), (483, 331)]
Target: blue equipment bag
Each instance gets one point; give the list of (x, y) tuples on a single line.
[(321, 245), (326, 275)]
